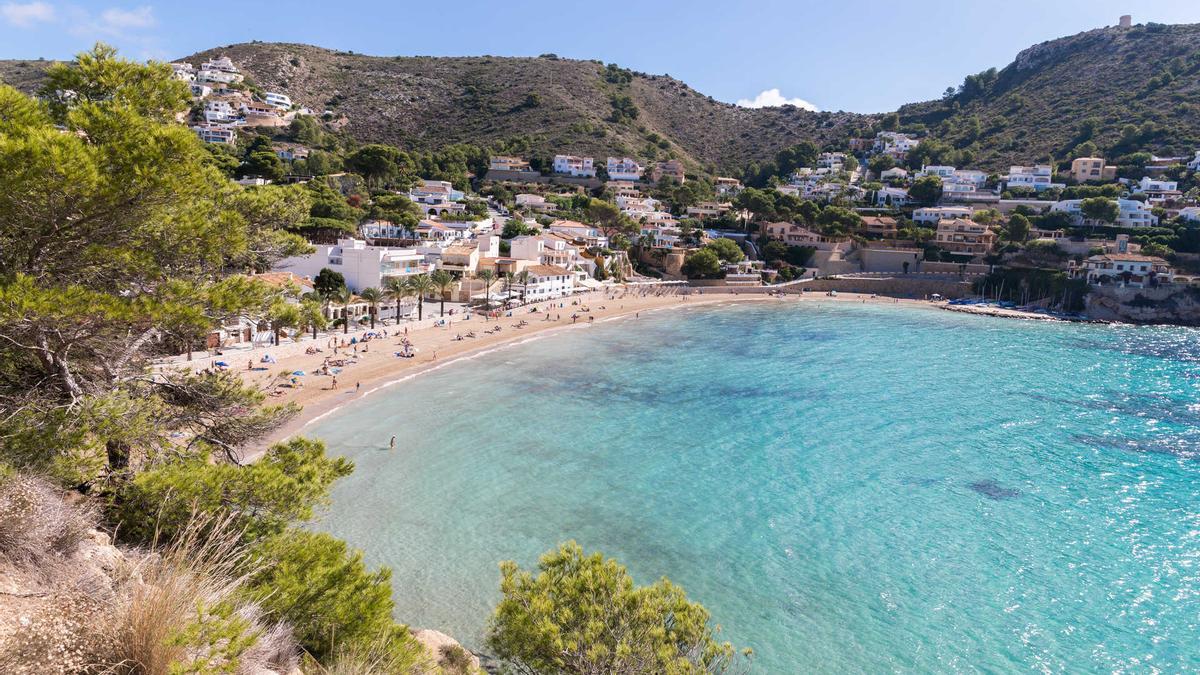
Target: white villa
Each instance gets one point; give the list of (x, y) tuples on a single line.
[(184, 72), (894, 143), (580, 167), (931, 215), (890, 196), (1039, 177), (588, 234), (623, 168), (1158, 191), (547, 282), (220, 112), (1126, 268), (222, 134), (281, 101), (363, 266), (1132, 213), (940, 171)]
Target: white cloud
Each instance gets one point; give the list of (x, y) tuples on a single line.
[(24, 15), (116, 19), (771, 98), (111, 23)]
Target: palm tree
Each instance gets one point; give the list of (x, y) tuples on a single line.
[(508, 280), (373, 296), (487, 276), (421, 286), (523, 277), (343, 296), (443, 282), (398, 288), (616, 270)]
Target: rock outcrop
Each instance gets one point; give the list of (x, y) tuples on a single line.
[(1164, 304)]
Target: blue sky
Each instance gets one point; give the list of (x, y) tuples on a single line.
[(863, 56)]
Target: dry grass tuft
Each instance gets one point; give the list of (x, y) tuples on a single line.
[(186, 608), (376, 658), (39, 528)]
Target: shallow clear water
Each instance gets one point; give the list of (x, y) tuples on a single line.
[(847, 488)]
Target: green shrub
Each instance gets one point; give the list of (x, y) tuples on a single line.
[(323, 589), (264, 496), (582, 613)]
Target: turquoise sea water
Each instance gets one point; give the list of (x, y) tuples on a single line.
[(847, 488)]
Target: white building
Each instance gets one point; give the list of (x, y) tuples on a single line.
[(636, 207), (384, 229), (972, 176), (951, 186), (200, 90), (940, 171), (363, 266), (1194, 165), (1148, 184), (1127, 269), (547, 282), (545, 249), (435, 192), (1132, 213), (217, 77), (184, 72), (588, 234), (894, 143), (894, 173), (221, 63), (623, 168), (571, 165), (281, 101), (222, 134), (1158, 191), (932, 215), (890, 196), (1039, 177), (220, 112), (1190, 214), (831, 160)]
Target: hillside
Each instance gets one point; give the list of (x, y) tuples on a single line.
[(1052, 97), (560, 105), (1089, 86)]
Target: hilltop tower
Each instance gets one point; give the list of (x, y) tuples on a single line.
[(1125, 21)]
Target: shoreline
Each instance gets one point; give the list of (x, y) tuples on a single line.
[(381, 370), (323, 402)]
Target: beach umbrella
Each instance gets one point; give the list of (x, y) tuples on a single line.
[(299, 373)]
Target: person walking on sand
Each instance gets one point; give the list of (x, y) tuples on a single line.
[(392, 443), (357, 387), (333, 385)]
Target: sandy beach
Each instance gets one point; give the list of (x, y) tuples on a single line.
[(371, 365)]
